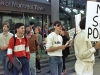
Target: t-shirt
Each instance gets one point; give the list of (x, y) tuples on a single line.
[(54, 40)]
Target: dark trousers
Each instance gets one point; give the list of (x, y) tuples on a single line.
[(63, 57), (25, 67), (38, 64)]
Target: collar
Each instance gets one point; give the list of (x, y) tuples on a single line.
[(6, 34), (17, 37)]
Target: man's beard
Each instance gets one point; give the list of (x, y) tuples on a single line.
[(28, 32)]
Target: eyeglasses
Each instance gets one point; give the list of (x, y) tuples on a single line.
[(59, 25)]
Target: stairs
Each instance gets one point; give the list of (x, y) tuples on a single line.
[(44, 59)]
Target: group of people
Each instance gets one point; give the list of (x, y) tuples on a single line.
[(28, 45), (26, 49), (57, 49)]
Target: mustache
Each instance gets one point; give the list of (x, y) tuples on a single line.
[(27, 32)]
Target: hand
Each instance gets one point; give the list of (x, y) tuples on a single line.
[(5, 47), (2, 47), (97, 45), (63, 47), (38, 56)]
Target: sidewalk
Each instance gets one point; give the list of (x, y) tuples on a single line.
[(70, 68)]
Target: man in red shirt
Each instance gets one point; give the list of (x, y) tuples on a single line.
[(20, 50)]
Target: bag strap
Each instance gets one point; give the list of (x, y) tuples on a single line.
[(15, 40)]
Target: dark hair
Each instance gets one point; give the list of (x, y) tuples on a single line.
[(27, 26), (82, 23), (63, 29), (57, 22), (18, 25), (51, 23), (31, 23)]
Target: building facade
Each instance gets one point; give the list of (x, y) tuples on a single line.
[(24, 11)]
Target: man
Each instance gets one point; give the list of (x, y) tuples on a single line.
[(20, 50), (32, 25), (84, 52), (33, 46), (4, 40), (54, 49)]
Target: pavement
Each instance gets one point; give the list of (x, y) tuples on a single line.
[(70, 61), (70, 68)]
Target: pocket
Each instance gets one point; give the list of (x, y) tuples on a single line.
[(53, 60), (26, 59)]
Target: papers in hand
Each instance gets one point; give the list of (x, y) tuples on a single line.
[(67, 43)]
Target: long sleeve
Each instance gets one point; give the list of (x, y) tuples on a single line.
[(83, 49), (49, 42), (27, 50), (40, 39), (10, 49)]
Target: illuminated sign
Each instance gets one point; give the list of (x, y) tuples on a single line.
[(24, 6)]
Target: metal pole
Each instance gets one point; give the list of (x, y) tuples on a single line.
[(23, 19)]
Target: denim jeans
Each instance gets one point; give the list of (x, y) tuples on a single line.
[(32, 63), (25, 67), (55, 63), (4, 59)]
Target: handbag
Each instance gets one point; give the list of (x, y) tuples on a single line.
[(16, 63)]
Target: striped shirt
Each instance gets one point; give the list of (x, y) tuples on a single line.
[(21, 48)]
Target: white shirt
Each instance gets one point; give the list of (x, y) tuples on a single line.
[(54, 40), (84, 53)]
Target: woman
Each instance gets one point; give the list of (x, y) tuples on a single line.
[(37, 31), (65, 51)]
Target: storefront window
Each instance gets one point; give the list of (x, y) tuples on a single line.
[(25, 18)]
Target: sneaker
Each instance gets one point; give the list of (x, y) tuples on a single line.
[(38, 71)]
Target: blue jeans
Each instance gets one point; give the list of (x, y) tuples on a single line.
[(55, 63), (32, 63), (25, 67), (4, 59)]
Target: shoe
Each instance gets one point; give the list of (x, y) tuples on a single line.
[(48, 71), (64, 72), (39, 71)]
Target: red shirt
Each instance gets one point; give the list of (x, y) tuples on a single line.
[(20, 49)]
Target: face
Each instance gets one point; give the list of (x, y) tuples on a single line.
[(21, 30), (36, 30), (58, 28), (28, 29), (61, 32), (5, 28)]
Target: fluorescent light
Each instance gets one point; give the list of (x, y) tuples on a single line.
[(62, 7), (81, 11), (68, 10), (33, 18), (75, 10)]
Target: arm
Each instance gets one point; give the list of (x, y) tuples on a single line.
[(38, 47), (27, 50), (51, 49), (83, 50), (49, 45), (10, 49)]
